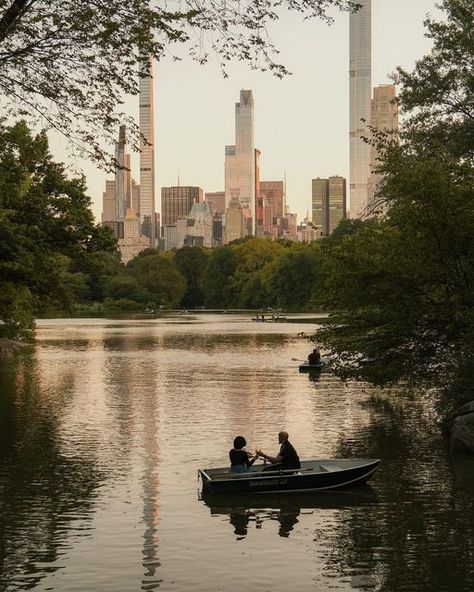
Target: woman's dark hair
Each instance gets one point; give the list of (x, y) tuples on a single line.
[(239, 442)]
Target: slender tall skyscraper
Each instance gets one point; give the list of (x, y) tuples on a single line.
[(240, 162), (120, 188), (360, 85), (147, 154)]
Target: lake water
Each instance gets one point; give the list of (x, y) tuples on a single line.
[(104, 424)]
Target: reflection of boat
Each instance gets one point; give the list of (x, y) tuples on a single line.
[(314, 475), (285, 509), (327, 500)]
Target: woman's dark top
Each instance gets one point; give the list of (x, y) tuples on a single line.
[(290, 457), (240, 457)]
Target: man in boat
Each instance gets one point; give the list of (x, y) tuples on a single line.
[(314, 358), (240, 459), (286, 459)]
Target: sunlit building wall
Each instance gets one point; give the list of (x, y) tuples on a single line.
[(272, 194), (360, 90), (216, 201), (133, 242), (240, 161), (234, 226), (384, 117), (108, 202)]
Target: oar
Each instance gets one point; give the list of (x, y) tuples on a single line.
[(296, 360)]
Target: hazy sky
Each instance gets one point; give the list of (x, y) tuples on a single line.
[(301, 122)]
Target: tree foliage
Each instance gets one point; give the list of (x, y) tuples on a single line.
[(46, 230), (69, 64)]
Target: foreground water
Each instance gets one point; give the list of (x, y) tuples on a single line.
[(103, 427)]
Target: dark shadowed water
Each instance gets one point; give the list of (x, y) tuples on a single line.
[(104, 425)]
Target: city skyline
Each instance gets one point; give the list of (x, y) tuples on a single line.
[(292, 116)]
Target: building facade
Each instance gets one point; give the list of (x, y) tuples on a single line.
[(196, 229), (385, 118), (329, 201), (216, 201), (337, 198), (240, 162), (272, 196), (320, 201), (234, 226), (133, 242), (177, 202), (360, 91)]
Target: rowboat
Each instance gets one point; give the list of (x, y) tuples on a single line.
[(306, 367), (314, 475)]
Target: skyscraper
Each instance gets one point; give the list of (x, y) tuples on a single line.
[(337, 201), (360, 90), (384, 118), (320, 190), (147, 152), (118, 193), (329, 203), (240, 162)]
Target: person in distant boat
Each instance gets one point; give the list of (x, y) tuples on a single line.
[(314, 357), (287, 457), (240, 459)]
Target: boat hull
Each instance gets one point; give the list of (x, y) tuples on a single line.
[(311, 367), (304, 480)]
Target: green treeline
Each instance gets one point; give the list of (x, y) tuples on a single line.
[(251, 273)]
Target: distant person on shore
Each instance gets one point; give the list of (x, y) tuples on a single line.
[(240, 459), (287, 457), (314, 357)]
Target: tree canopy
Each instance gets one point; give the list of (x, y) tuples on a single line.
[(47, 230), (69, 64)]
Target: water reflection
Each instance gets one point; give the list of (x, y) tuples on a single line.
[(42, 490), (285, 509), (102, 430)]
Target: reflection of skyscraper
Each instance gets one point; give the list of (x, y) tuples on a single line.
[(147, 152), (360, 86), (240, 161)]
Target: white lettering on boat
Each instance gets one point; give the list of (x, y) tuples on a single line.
[(264, 482)]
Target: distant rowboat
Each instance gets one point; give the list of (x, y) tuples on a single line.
[(306, 367)]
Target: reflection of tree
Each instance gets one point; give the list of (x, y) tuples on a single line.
[(41, 490), (420, 537)]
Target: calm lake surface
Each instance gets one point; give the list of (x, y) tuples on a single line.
[(104, 424)]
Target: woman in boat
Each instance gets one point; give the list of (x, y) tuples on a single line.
[(240, 459)]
